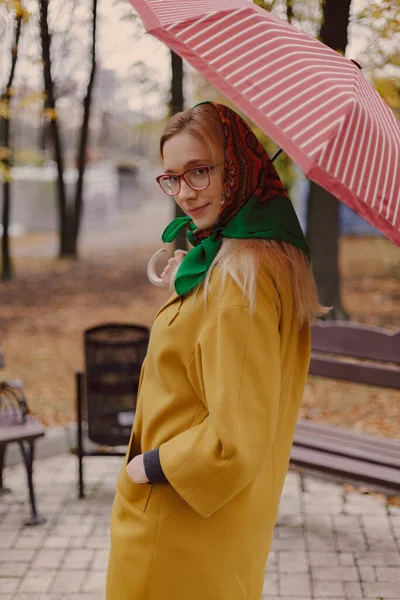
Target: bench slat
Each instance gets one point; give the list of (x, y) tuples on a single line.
[(346, 467), (345, 448), (387, 376), (383, 446), (356, 339), (25, 431)]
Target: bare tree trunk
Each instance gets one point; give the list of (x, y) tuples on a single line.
[(323, 208), (289, 10), (6, 262), (50, 104), (177, 105), (83, 142)]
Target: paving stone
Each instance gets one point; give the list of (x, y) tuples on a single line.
[(48, 559), (353, 589), (295, 585), (16, 555), (27, 542), (12, 570), (323, 559), (100, 560), (346, 559), (9, 584), (55, 541), (37, 581), (65, 581), (292, 562), (334, 573), (381, 589), (383, 559), (270, 587), (95, 582), (323, 541), (96, 596), (328, 589), (7, 538), (37, 597), (297, 545), (388, 574), (78, 559), (79, 541), (97, 542), (367, 573)]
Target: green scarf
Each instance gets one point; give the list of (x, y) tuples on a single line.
[(276, 219)]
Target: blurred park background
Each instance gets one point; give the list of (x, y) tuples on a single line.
[(84, 96)]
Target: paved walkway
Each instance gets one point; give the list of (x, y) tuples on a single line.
[(328, 544)]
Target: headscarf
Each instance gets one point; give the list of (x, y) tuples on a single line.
[(254, 204)]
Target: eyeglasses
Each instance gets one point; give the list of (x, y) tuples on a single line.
[(197, 178)]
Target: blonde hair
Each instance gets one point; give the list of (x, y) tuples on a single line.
[(241, 258)]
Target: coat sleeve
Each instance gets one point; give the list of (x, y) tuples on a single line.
[(239, 359)]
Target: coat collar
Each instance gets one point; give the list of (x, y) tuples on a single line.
[(175, 298)]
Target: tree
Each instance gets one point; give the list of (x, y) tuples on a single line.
[(51, 113), (323, 207), (69, 216), (83, 143), (177, 105), (5, 142)]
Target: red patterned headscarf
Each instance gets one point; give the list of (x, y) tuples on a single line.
[(249, 171)]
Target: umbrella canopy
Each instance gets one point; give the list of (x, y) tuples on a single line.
[(313, 102)]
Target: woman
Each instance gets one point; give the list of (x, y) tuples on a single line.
[(223, 379)]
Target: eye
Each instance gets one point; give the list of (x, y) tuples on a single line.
[(200, 172), (173, 179)]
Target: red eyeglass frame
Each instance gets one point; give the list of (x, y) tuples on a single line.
[(182, 176)]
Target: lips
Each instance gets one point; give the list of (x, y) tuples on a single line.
[(196, 211)]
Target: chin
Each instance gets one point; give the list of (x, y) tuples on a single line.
[(203, 223)]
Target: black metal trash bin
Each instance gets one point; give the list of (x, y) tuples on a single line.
[(114, 354)]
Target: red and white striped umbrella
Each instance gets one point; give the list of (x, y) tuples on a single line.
[(313, 102)]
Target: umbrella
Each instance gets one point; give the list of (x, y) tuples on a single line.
[(313, 102)]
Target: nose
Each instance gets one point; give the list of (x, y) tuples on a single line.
[(186, 193)]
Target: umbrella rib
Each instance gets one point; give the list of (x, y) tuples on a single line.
[(212, 26), (319, 108), (306, 92), (253, 49), (299, 61), (357, 110), (197, 22), (285, 58), (214, 48), (248, 65), (301, 81), (269, 30), (320, 132), (309, 101), (375, 98)]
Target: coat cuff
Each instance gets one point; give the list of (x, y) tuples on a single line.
[(153, 468)]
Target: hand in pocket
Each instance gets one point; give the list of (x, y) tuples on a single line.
[(135, 470)]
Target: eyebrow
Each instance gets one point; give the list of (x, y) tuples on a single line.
[(194, 161)]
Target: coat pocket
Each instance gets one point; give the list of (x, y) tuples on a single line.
[(136, 494), (171, 503)]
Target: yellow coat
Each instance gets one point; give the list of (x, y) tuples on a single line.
[(219, 394)]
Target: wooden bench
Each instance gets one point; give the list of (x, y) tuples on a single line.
[(17, 426), (359, 354)]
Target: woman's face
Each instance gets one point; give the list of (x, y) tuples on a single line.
[(184, 151)]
